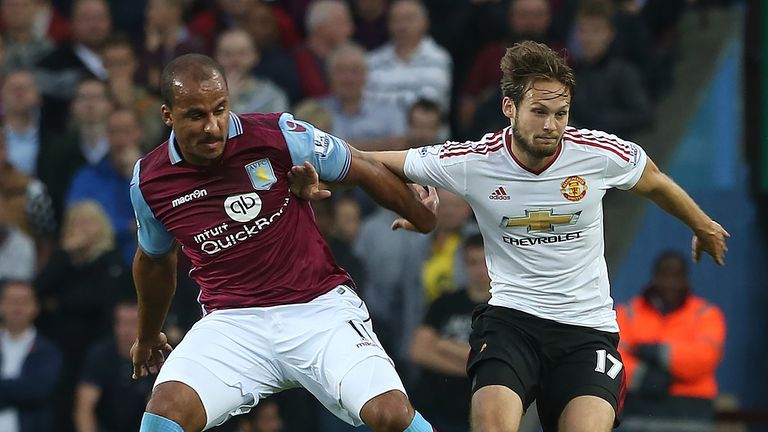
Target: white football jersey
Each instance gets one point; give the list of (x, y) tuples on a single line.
[(543, 230)]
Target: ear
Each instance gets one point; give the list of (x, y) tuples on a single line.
[(508, 107), (165, 110)]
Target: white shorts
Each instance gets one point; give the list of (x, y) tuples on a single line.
[(234, 357)]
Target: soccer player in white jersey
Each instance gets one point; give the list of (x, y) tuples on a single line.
[(549, 332)]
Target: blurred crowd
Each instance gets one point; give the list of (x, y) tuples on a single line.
[(80, 104)]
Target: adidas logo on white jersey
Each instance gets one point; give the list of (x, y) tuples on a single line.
[(499, 194)]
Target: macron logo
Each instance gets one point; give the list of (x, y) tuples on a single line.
[(198, 193), (499, 194)]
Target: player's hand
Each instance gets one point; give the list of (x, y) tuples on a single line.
[(710, 240), (428, 197), (306, 184), (148, 357)]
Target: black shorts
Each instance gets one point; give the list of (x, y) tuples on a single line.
[(544, 360)]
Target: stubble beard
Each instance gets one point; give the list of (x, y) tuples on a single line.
[(528, 147)]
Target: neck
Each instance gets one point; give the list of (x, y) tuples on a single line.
[(16, 332), (405, 50), (19, 121)]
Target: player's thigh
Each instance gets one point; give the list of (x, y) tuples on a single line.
[(503, 339), (324, 342), (496, 402), (178, 402), (588, 381), (504, 367), (587, 414), (228, 365)]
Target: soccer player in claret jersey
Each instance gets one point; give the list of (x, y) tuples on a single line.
[(549, 332), (278, 311)]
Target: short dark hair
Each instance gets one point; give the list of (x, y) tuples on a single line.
[(528, 61), (427, 105), (670, 255), (198, 67), (474, 240)]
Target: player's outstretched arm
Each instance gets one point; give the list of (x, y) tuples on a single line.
[(418, 210), (155, 279), (708, 235)]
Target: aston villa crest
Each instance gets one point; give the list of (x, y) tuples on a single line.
[(261, 174)]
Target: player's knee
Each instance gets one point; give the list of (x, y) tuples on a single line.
[(495, 409), (388, 412), (179, 403), (485, 421), (587, 414)]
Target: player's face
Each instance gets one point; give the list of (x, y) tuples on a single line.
[(541, 118), (199, 118)]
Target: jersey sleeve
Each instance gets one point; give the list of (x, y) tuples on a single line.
[(154, 239), (432, 165), (625, 166), (330, 155)]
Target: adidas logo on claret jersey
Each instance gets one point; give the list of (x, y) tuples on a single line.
[(499, 194)]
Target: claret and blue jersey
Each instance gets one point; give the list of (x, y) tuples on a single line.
[(251, 242)]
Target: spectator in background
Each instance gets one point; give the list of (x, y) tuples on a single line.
[(611, 96), (107, 399), (424, 124), (237, 54), (27, 205), (29, 364), (21, 120), (393, 291), (370, 19), (108, 182), (49, 22), (411, 65), (228, 14), (528, 20), (166, 37), (329, 25), (78, 289), (339, 221), (649, 37), (275, 63), (23, 46), (441, 345), (443, 271), (312, 112), (220, 16), (59, 73), (84, 143), (365, 123), (671, 343), (121, 64), (17, 250)]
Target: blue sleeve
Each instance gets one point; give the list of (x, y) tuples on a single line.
[(154, 239), (330, 155)]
